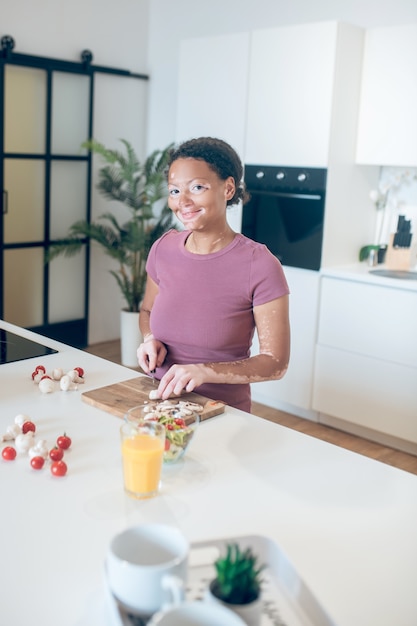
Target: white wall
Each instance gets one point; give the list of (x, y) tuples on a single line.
[(170, 22), (116, 32)]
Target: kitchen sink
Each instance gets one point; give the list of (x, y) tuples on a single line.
[(395, 274)]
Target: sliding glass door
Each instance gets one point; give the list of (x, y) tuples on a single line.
[(45, 179), (46, 117)]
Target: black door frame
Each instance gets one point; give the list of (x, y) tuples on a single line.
[(73, 332)]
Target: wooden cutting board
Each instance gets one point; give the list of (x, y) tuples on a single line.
[(119, 397)]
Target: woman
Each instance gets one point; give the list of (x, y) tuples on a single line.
[(208, 287)]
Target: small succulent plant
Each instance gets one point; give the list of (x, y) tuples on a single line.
[(238, 576)]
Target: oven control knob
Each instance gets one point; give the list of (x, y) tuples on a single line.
[(280, 176), (302, 177), (260, 174)]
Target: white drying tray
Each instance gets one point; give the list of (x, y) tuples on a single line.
[(287, 601)]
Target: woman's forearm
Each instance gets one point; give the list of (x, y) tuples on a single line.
[(261, 367), (144, 323)]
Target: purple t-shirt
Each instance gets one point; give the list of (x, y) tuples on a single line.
[(204, 309)]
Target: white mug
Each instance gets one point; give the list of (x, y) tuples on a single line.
[(196, 614), (146, 567)]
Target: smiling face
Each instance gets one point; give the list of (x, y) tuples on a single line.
[(197, 195)]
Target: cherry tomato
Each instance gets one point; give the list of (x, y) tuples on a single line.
[(59, 468), (8, 453), (37, 462), (169, 426), (180, 422), (56, 454), (63, 442), (27, 426), (167, 444), (38, 368)]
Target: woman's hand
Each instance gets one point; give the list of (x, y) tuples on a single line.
[(182, 378), (151, 354)]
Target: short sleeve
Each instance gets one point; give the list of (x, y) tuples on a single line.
[(267, 279)]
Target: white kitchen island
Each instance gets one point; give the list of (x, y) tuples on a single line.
[(347, 523)]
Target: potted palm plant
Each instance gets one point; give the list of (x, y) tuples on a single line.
[(238, 583), (141, 187)]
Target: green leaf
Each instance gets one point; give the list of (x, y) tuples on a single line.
[(365, 251), (137, 186), (238, 577)]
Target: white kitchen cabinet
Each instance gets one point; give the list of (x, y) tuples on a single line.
[(366, 359), (212, 88), (293, 392), (303, 102), (387, 132), (212, 92), (287, 96), (297, 80)]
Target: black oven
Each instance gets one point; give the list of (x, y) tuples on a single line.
[(286, 212)]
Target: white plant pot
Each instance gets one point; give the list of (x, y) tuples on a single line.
[(250, 613), (130, 337)]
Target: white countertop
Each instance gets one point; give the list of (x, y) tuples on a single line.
[(346, 522), (361, 272)]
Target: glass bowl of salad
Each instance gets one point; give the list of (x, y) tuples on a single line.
[(180, 420)]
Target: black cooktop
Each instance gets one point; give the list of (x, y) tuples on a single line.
[(15, 348)]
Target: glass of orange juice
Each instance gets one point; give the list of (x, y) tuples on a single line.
[(143, 444)]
